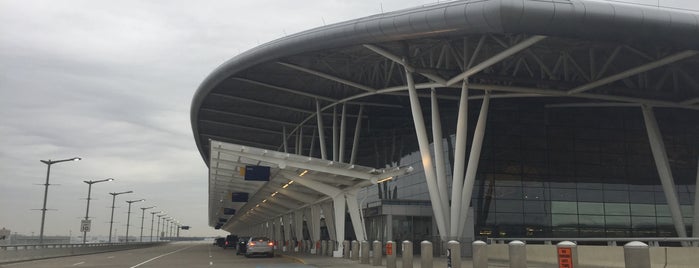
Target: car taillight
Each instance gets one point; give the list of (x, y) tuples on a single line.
[(226, 243), (251, 244), (270, 244)]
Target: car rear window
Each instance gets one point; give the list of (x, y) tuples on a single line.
[(260, 238)]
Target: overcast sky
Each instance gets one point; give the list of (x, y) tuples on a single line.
[(112, 82)]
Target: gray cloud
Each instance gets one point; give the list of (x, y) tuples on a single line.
[(112, 81)]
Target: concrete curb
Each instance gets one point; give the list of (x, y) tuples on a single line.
[(295, 259)]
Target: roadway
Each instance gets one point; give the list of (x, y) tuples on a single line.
[(178, 254)]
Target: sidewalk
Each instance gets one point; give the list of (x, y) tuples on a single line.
[(438, 262)]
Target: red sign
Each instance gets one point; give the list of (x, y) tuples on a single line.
[(389, 249), (565, 258)]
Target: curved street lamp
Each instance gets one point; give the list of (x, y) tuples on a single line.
[(128, 217), (46, 191), (152, 218), (87, 210), (165, 225), (111, 220), (143, 215), (158, 232)]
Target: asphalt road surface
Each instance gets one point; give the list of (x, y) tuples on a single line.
[(179, 254)]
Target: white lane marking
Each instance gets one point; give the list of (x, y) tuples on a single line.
[(110, 257), (211, 263), (156, 257), (76, 264)]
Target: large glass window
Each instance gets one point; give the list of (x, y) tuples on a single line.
[(560, 207), (591, 208)]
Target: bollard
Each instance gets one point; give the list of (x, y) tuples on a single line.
[(636, 255), (567, 253), (518, 254), (376, 259), (364, 248), (426, 254), (355, 250), (345, 249), (331, 248), (480, 254), (453, 254), (407, 249), (324, 247), (390, 254)]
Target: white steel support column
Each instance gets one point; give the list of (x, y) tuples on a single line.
[(357, 221), (329, 214), (313, 143), (298, 224), (355, 141), (457, 183), (300, 144), (335, 134), (339, 209), (315, 224), (423, 144), (288, 219), (278, 230), (439, 157), (321, 133), (343, 132), (695, 223), (286, 147), (473, 160), (663, 165)]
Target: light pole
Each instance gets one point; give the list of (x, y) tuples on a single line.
[(87, 210), (143, 215), (164, 226), (172, 227), (46, 191), (158, 232), (111, 220), (152, 219), (128, 217)]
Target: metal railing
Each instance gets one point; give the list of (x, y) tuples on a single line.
[(51, 246), (651, 241)]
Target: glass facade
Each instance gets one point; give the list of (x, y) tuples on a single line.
[(571, 172)]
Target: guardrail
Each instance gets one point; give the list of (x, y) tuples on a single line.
[(16, 253), (651, 241)]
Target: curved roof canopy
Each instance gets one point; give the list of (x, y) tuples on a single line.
[(561, 53)]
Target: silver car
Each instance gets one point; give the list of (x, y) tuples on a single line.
[(260, 245)]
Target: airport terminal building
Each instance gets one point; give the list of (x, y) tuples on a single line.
[(461, 120)]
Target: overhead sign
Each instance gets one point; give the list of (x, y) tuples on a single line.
[(85, 225), (257, 173), (239, 197), (228, 211)]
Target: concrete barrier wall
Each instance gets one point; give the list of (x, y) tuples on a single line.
[(21, 254), (603, 256)]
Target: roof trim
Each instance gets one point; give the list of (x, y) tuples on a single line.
[(582, 19)]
